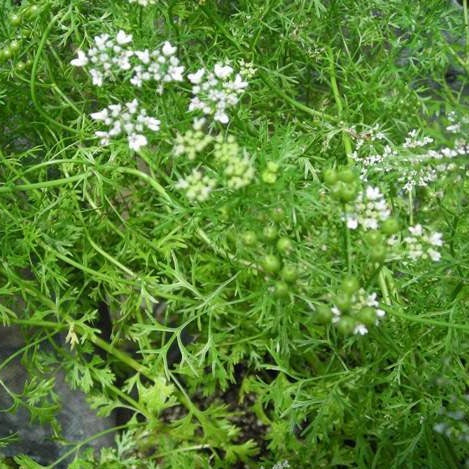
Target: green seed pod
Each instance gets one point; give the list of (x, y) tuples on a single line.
[(390, 226), (249, 238), (374, 238), (284, 245), (20, 66), (15, 19), (278, 214), (270, 233), (378, 253), (330, 176), (346, 325), (14, 46), (367, 316), (343, 301), (323, 315), (32, 11), (7, 53), (336, 190), (350, 285), (281, 290), (289, 273), (268, 177), (347, 175), (348, 192), (271, 264)]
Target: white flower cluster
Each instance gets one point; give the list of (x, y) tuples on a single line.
[(214, 92), (411, 164), (369, 210), (197, 186), (422, 244), (125, 120), (160, 65), (413, 141), (144, 3), (360, 301), (110, 57)]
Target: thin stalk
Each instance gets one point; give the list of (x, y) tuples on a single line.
[(466, 27), (340, 108), (40, 185), (384, 287)]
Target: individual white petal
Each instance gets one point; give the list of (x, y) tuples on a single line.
[(196, 77), (360, 329), (168, 49), (143, 55), (221, 117), (153, 124), (123, 38), (132, 106), (81, 60), (100, 116), (96, 77), (352, 223), (434, 255), (222, 71)]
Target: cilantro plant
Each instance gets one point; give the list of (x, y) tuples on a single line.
[(239, 229)]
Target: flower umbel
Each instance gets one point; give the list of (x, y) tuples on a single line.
[(127, 120)]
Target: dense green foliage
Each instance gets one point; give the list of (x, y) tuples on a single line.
[(237, 315)]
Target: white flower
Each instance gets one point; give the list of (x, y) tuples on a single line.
[(416, 230), (168, 49), (434, 255), (97, 77), (137, 141), (128, 120), (435, 239), (222, 117), (360, 329), (352, 223), (123, 38), (222, 71), (214, 92), (373, 193), (81, 60), (132, 106), (100, 116), (152, 124), (196, 78), (369, 210)]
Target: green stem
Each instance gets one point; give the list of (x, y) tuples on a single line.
[(84, 442), (411, 208), (430, 322), (40, 185), (348, 246), (340, 108), (466, 27), (384, 287)]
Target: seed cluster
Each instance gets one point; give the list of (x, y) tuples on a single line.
[(230, 166)]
